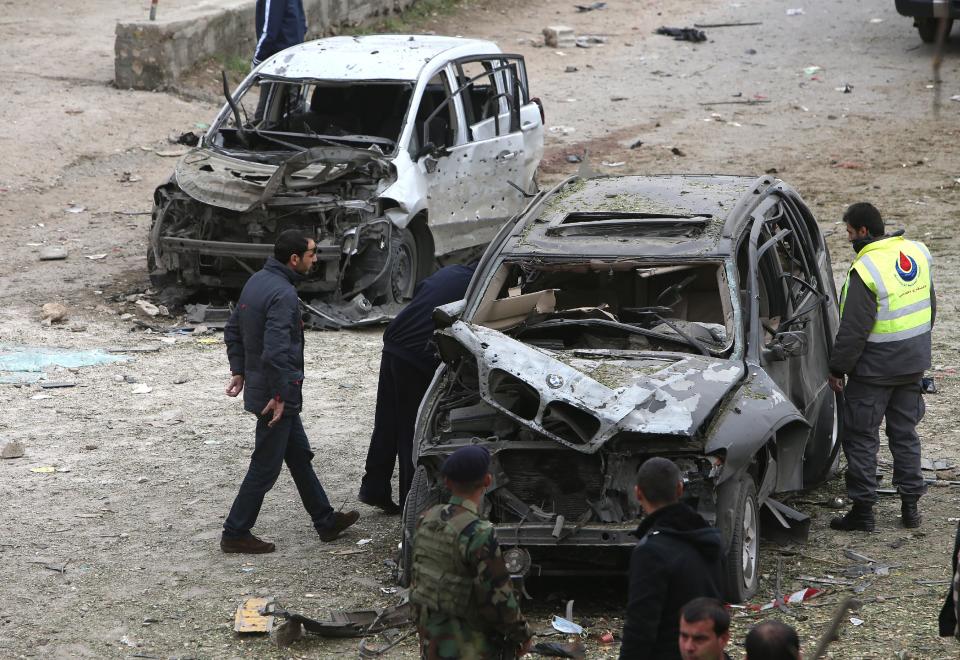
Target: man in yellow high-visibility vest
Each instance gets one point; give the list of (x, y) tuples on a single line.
[(887, 310)]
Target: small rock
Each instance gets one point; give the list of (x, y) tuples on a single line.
[(676, 151), (148, 307), (53, 253), (117, 378), (559, 36), (180, 380), (142, 389), (52, 313), (142, 480), (131, 379), (91, 447), (570, 69), (126, 317), (12, 449)]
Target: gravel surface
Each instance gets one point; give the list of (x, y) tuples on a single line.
[(115, 553)]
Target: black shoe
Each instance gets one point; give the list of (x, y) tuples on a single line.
[(340, 522), (387, 505), (909, 513), (248, 545), (859, 518)]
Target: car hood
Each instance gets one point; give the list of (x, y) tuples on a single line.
[(235, 184), (632, 392)]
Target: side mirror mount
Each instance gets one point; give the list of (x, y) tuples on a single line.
[(786, 344), (429, 149), (446, 315)]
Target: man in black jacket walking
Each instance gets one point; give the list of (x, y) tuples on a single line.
[(264, 338), (676, 560)]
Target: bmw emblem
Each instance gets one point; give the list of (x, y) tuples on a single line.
[(555, 381)]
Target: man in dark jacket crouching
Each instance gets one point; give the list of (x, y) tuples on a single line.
[(264, 338), (676, 560)]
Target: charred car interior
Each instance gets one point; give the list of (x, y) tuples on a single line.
[(624, 318), (393, 152)]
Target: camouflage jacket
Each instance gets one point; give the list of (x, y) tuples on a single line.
[(498, 629)]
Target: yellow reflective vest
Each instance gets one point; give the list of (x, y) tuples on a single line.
[(897, 272)]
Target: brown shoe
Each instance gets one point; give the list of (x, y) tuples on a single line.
[(340, 522), (249, 545)]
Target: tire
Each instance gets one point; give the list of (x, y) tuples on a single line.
[(421, 497), (822, 461), (404, 266), (927, 27), (741, 563)]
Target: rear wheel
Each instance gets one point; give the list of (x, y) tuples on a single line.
[(421, 497), (741, 565)]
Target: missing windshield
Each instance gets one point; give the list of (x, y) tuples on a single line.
[(282, 116)]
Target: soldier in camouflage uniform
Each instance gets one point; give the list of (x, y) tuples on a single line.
[(460, 586)]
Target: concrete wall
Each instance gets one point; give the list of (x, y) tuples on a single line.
[(154, 54)]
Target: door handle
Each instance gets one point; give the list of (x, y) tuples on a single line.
[(507, 155)]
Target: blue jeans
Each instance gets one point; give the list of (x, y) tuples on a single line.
[(286, 443)]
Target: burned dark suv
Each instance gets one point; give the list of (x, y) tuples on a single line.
[(621, 318)]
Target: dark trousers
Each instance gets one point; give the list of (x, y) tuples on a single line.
[(399, 392), (864, 407), (286, 443)]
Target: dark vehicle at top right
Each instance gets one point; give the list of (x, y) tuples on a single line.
[(926, 15)]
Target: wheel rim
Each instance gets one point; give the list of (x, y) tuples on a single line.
[(402, 272), (751, 542)]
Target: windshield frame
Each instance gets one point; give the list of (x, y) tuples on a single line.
[(209, 139), (734, 350)]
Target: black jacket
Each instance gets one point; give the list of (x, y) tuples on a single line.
[(264, 338), (676, 560), (280, 24), (410, 335)]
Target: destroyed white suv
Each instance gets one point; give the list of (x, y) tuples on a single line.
[(392, 151)]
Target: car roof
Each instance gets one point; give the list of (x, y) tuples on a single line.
[(371, 57), (674, 215)]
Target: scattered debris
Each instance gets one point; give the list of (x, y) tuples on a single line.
[(848, 165), (76, 209), (189, 139), (562, 130), (128, 177), (935, 464), (588, 41), (929, 385), (846, 89), (559, 36), (55, 384), (811, 71), (636, 144), (573, 158), (676, 151), (250, 617), (683, 34), (12, 449), (723, 25), (565, 626), (46, 469), (96, 257), (574, 649), (142, 389), (618, 163), (795, 12), (172, 153), (364, 541), (595, 5), (570, 69), (53, 253), (855, 621)]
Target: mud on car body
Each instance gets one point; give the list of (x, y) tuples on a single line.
[(622, 318), (390, 150)]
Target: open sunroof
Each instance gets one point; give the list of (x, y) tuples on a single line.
[(599, 223)]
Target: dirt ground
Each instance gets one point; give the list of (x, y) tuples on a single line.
[(115, 553)]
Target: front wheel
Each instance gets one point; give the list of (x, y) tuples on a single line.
[(421, 497), (928, 27), (741, 564), (404, 266)]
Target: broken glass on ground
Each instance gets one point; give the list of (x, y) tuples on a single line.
[(28, 364)]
